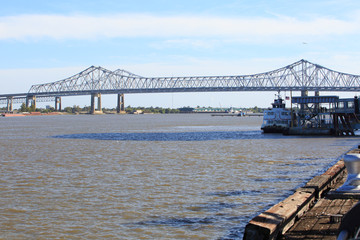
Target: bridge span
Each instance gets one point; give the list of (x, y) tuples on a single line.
[(301, 76)]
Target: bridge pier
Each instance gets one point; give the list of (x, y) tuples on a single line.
[(31, 99), (33, 103), (57, 104), (9, 107), (120, 103), (92, 109)]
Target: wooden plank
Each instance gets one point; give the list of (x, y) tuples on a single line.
[(278, 218), (307, 227), (319, 183), (335, 169), (304, 228), (316, 224), (349, 204), (322, 183), (326, 228)]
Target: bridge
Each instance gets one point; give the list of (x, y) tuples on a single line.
[(301, 76)]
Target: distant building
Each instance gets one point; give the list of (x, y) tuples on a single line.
[(217, 110), (138, 112)]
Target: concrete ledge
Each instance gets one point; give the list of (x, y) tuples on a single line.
[(279, 218)]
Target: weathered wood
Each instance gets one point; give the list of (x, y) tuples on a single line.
[(324, 227), (317, 224), (324, 182), (279, 218), (336, 195), (319, 184), (336, 168)]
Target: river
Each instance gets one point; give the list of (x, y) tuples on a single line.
[(173, 176)]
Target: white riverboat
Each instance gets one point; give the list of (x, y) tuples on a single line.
[(276, 119)]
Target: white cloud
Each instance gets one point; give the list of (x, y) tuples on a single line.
[(23, 27), (186, 42)]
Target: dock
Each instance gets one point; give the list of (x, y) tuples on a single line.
[(314, 211), (324, 115)]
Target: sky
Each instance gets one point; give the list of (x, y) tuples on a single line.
[(46, 41)]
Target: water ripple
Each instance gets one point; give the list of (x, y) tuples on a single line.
[(174, 136), (212, 206), (235, 193), (178, 222), (148, 176)]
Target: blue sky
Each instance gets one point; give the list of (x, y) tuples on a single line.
[(46, 41)]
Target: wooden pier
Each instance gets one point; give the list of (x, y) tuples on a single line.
[(322, 222), (312, 212)]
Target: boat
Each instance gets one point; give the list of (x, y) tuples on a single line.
[(276, 119)]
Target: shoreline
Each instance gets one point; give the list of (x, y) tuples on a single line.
[(31, 114), (20, 114)]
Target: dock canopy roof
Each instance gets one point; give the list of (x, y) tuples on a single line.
[(315, 99)]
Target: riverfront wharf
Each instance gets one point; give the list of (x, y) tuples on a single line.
[(312, 212)]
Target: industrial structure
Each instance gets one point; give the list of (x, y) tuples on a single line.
[(324, 115), (301, 76)]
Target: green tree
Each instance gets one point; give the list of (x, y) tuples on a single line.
[(23, 108), (129, 109), (68, 109), (32, 108), (75, 109)]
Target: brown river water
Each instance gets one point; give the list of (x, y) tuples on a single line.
[(175, 176)]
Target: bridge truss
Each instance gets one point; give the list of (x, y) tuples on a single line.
[(301, 75), (22, 99)]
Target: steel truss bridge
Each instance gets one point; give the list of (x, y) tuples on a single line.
[(299, 76)]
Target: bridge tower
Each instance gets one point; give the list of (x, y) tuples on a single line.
[(120, 103), (92, 109), (57, 104)]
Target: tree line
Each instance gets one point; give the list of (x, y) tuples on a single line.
[(129, 109)]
